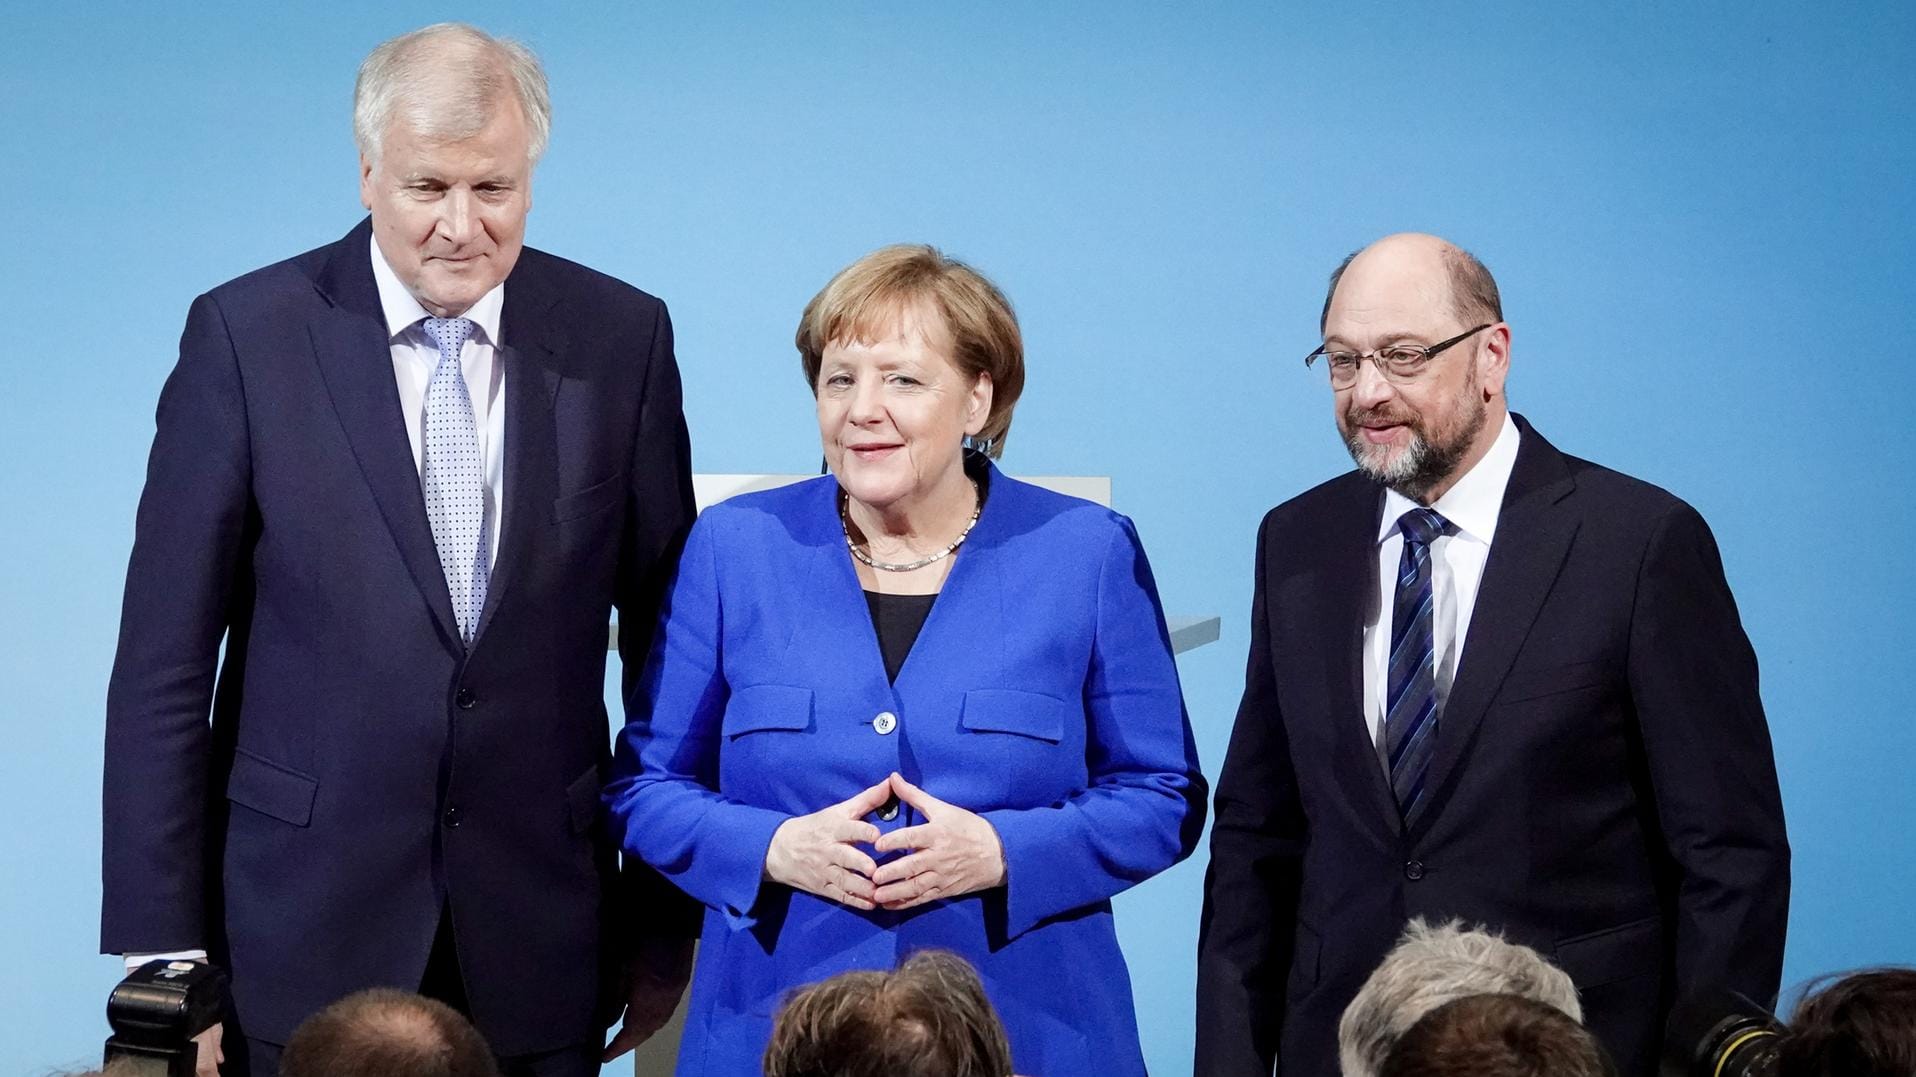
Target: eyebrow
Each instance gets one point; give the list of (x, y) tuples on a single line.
[(1404, 337)]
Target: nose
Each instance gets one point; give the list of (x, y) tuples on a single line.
[(1371, 387), (868, 401), (458, 221)]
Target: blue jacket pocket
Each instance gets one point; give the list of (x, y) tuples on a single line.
[(768, 706), (1008, 710)]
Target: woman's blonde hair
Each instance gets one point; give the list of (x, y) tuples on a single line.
[(869, 299)]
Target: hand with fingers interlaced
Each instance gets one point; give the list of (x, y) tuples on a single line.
[(819, 853), (954, 852)]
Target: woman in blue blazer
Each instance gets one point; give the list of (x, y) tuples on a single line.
[(911, 704)]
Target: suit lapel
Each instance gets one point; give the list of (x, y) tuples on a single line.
[(1336, 604), (355, 360), (835, 630), (531, 342), (973, 593), (1535, 529)]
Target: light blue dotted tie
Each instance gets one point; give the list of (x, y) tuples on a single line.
[(453, 476)]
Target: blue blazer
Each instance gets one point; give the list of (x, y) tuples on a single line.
[(1041, 693), (364, 768)]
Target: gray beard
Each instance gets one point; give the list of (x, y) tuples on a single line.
[(1423, 463)]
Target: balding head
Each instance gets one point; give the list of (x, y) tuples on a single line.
[(383, 1032), (1428, 262)]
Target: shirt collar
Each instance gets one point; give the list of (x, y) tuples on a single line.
[(1475, 502), (403, 311)]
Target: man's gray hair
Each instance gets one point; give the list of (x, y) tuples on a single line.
[(1431, 966), (445, 81)]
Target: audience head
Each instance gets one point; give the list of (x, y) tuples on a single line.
[(1862, 1025), (387, 1033), (1434, 965), (1496, 1036), (930, 1018)]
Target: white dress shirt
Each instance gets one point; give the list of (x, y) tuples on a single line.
[(414, 356), (1457, 567)]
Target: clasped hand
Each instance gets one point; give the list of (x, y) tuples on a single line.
[(953, 852)]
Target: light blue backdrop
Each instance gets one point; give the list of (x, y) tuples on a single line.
[(1701, 215)]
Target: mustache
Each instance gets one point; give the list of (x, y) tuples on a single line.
[(1379, 416)]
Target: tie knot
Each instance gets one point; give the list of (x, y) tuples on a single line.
[(1422, 526), (450, 334)]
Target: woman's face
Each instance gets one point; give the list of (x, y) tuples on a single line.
[(892, 413)]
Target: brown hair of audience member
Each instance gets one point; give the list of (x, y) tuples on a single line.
[(1862, 1025), (1497, 1036), (382, 1032), (928, 1019)]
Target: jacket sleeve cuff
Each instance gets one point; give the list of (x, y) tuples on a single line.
[(737, 869)]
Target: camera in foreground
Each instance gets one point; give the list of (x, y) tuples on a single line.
[(155, 1013)]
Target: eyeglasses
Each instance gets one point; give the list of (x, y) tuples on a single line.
[(1398, 363)]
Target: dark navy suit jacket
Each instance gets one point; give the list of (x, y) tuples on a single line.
[(362, 767), (1603, 788), (1041, 693)]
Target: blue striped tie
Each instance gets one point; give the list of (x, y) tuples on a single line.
[(452, 476), (1410, 710)]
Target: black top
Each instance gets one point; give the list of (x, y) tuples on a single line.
[(897, 619)]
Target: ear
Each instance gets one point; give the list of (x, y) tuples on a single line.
[(978, 405), (365, 182), (1494, 365)]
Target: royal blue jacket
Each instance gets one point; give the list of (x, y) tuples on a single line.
[(1041, 693)]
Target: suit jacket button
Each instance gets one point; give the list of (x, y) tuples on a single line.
[(452, 817), (890, 809), (885, 722), (464, 698), (1413, 870)]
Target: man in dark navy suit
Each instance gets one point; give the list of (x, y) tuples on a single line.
[(404, 479), (1487, 681)]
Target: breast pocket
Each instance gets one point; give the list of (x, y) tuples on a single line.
[(767, 742), (1007, 710), (1014, 749), (1527, 684), (767, 707), (590, 501)]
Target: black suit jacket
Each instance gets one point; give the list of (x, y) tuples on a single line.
[(363, 768), (1603, 788)]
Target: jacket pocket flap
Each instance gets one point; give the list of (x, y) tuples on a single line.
[(768, 706), (271, 789), (1537, 683), (1007, 710), (1615, 953), (599, 495), (582, 800)]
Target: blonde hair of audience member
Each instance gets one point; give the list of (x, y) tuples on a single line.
[(1431, 966), (930, 1018)]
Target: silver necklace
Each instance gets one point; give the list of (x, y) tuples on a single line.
[(845, 522)]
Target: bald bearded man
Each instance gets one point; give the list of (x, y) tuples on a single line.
[(1487, 680)]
